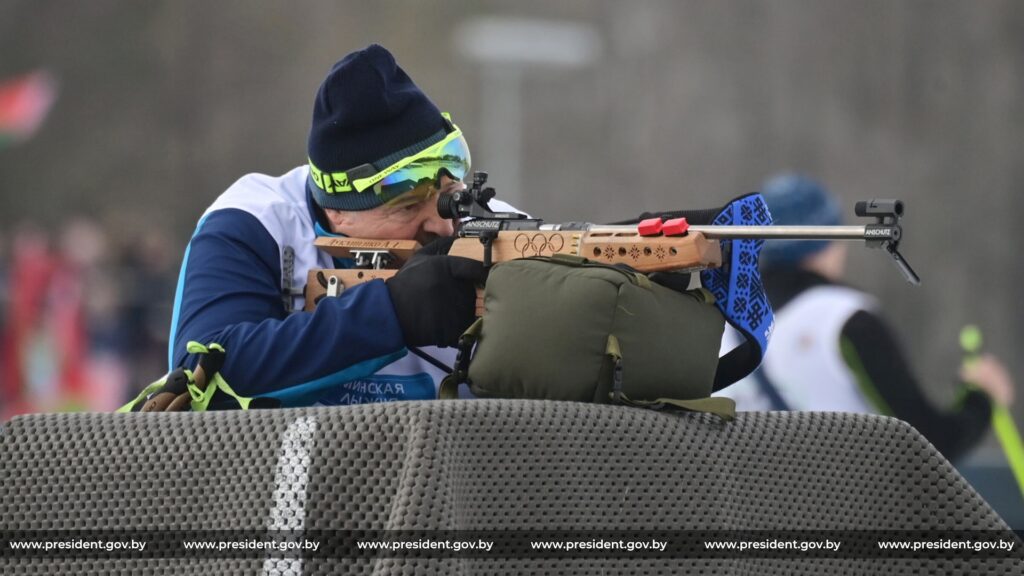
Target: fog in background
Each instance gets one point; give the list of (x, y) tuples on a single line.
[(642, 105)]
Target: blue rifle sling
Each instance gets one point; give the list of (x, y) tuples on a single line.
[(738, 290)]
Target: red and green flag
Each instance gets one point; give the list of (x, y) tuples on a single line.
[(24, 102)]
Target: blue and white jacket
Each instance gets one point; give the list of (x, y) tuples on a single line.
[(241, 285)]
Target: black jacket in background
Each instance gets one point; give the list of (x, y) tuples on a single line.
[(954, 432)]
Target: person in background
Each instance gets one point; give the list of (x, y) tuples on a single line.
[(146, 260), (832, 351)]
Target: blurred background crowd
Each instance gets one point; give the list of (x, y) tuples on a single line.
[(121, 121), (86, 308)]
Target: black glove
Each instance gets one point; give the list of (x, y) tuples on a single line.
[(435, 297), (437, 247)]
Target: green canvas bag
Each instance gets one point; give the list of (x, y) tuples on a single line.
[(565, 328)]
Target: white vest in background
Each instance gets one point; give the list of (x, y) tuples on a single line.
[(804, 361)]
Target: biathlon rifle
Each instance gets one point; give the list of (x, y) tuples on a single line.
[(682, 241)]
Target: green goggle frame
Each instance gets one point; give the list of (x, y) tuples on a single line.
[(450, 154)]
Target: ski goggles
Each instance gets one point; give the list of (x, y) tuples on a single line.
[(417, 173)]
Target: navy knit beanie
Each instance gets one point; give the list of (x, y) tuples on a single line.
[(796, 200), (367, 111)]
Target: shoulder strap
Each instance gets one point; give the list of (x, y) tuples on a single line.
[(738, 290)]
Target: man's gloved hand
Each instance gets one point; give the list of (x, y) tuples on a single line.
[(438, 247), (435, 296)]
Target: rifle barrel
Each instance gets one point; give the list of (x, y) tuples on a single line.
[(782, 232), (755, 232)]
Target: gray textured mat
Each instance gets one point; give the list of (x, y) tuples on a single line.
[(481, 465)]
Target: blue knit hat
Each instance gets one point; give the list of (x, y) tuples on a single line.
[(367, 111), (796, 200)]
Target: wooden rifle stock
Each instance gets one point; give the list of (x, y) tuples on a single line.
[(605, 244)]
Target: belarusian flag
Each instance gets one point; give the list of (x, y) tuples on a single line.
[(24, 103)]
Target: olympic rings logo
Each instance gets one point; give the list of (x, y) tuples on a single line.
[(538, 244)]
